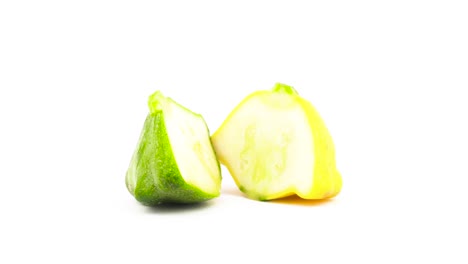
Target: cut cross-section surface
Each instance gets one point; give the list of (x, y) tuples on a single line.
[(273, 146)]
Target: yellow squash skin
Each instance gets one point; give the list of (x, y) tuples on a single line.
[(327, 180)]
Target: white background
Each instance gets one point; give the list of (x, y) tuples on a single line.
[(389, 78)]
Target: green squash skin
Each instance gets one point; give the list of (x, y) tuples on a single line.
[(158, 179)]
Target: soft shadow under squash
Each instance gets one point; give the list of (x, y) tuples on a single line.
[(296, 200), (174, 208)]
